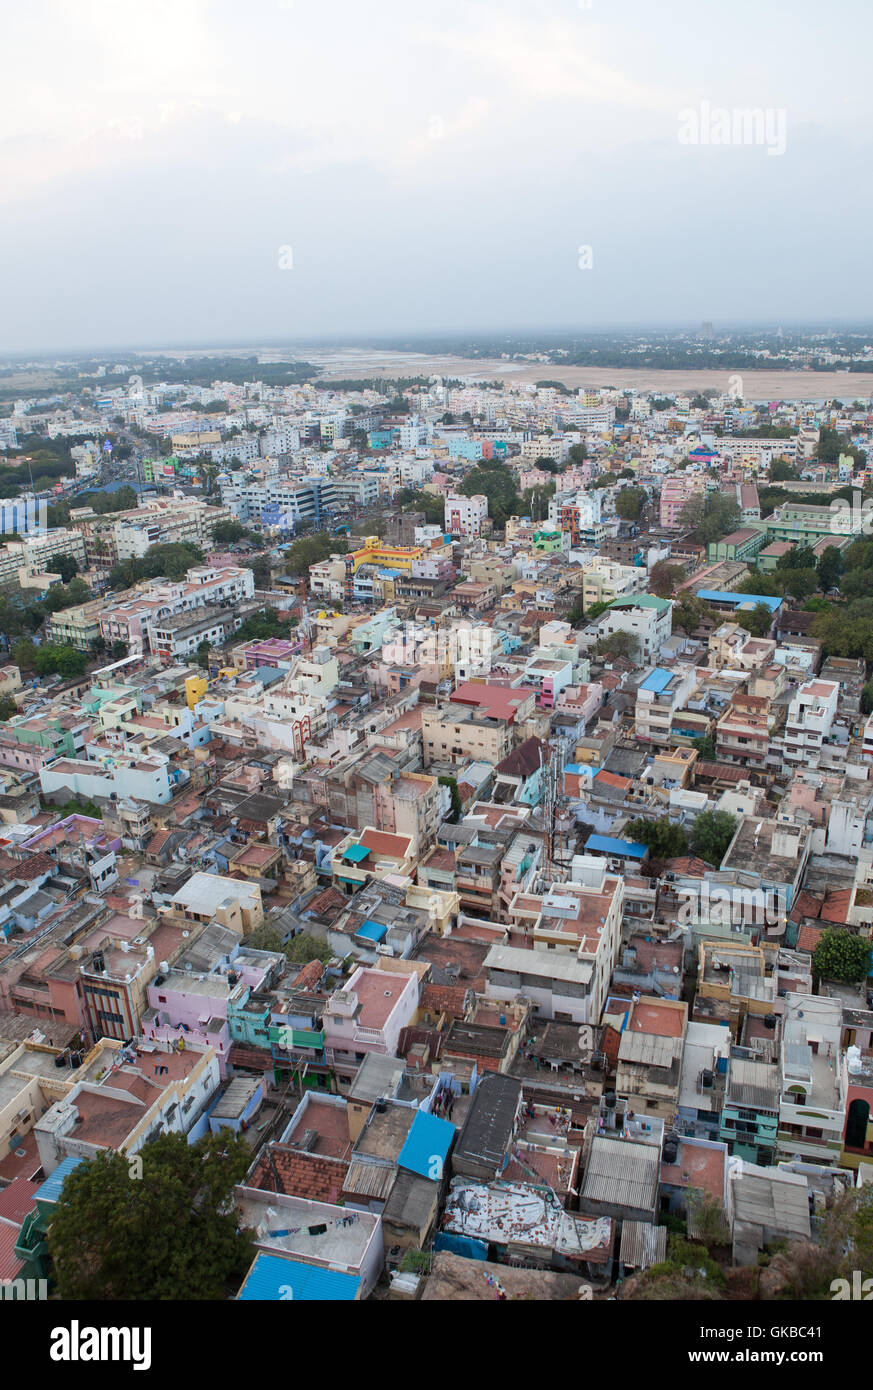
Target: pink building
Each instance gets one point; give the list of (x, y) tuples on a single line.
[(676, 490), (367, 1016), (581, 700)]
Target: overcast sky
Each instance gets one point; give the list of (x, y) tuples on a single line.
[(431, 166)]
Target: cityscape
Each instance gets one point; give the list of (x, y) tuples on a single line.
[(436, 759)]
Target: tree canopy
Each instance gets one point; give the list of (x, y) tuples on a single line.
[(310, 550), (665, 838), (168, 1234), (711, 834), (496, 482), (841, 955)]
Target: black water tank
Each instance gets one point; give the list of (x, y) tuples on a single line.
[(671, 1148), (609, 1100), (706, 1080), (769, 1020)]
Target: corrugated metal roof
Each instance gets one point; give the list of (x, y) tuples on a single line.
[(272, 1279), (369, 1179), (51, 1188), (623, 1173), (643, 1244), (427, 1145), (754, 1085)]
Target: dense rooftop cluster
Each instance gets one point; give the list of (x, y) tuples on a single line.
[(499, 867)]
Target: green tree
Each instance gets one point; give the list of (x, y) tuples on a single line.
[(169, 1234), (54, 658), (689, 612), (201, 656), (304, 947), (799, 583), (577, 454), (310, 550), (712, 516), (8, 708), (757, 622), (62, 596), (781, 471), (262, 570), (496, 482), (705, 748), (170, 561), (618, 644), (841, 955), (867, 698), (799, 557), (594, 611), (830, 569), (665, 839), (629, 503), (228, 532), (66, 566), (711, 834), (24, 653), (665, 578)]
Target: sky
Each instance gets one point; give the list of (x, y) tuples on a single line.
[(193, 172)]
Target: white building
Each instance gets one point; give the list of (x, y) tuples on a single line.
[(465, 515), (810, 718)]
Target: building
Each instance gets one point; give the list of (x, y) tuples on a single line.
[(811, 716), (465, 516), (649, 620), (750, 1115), (812, 1103), (660, 696)]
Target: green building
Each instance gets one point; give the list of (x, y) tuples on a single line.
[(548, 542), (750, 1115), (742, 545)]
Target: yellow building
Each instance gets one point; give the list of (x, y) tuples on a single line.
[(396, 557)]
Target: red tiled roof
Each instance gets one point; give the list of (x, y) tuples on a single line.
[(808, 938), (611, 779), (310, 976), (314, 1177), (33, 867), (448, 999)]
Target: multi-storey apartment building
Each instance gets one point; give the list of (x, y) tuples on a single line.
[(812, 1102), (742, 734), (660, 695), (646, 618), (464, 515), (811, 715)]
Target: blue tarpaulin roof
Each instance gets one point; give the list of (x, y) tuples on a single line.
[(658, 680), (467, 1246), (429, 1139), (273, 1279), (373, 931), (625, 849), (355, 853)]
